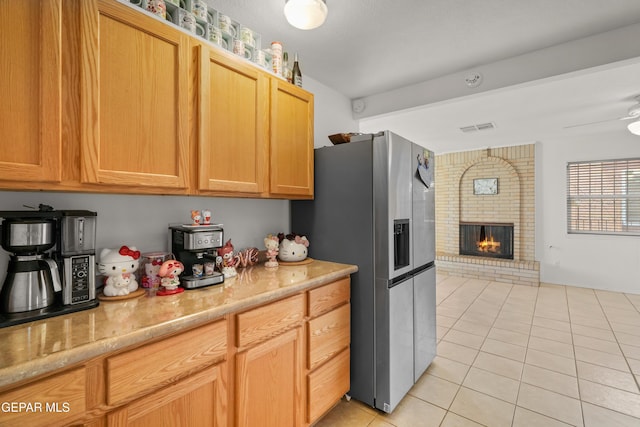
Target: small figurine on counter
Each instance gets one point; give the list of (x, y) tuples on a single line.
[(196, 218), (118, 266), (293, 247), (247, 257), (206, 216), (169, 272), (228, 260), (271, 243), (151, 277)]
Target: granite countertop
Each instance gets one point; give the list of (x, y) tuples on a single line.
[(42, 346)]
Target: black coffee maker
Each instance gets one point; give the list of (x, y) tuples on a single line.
[(51, 269)]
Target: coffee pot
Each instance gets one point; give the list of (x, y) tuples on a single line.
[(51, 269), (32, 276)]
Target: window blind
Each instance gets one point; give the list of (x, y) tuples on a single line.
[(603, 197)]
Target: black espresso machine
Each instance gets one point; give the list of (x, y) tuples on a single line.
[(51, 269)]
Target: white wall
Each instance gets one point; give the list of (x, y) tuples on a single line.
[(332, 112), (593, 261), (142, 220)]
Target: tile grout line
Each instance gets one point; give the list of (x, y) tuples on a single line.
[(480, 350), (626, 361), (575, 357), (524, 363), (448, 409)]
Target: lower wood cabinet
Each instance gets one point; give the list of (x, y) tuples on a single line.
[(55, 400), (285, 363), (150, 367), (198, 400), (328, 341), (268, 382), (269, 364), (327, 384)]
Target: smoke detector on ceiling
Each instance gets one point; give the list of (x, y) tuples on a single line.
[(473, 79), (358, 106)]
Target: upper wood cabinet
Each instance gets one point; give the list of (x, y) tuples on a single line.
[(30, 104), (291, 153), (233, 100), (99, 96), (134, 98), (255, 130)]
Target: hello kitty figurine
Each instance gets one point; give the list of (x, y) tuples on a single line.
[(272, 243), (169, 272), (293, 247), (119, 266)]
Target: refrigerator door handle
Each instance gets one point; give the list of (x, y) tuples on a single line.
[(398, 280), (422, 268)]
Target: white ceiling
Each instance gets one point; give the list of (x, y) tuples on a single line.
[(367, 47)]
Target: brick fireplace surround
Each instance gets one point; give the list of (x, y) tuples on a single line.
[(515, 203)]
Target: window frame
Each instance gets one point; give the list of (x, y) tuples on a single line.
[(598, 197)]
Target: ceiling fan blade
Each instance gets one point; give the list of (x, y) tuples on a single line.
[(599, 121)]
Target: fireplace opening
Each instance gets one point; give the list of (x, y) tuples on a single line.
[(486, 240)]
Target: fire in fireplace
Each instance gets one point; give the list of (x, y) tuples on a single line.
[(494, 240)]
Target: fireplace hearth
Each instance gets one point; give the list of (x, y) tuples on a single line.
[(491, 240)]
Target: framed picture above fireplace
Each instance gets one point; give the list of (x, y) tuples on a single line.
[(483, 186)]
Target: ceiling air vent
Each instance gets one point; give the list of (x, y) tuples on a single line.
[(479, 126)]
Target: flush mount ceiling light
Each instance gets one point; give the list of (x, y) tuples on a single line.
[(305, 14), (634, 112), (634, 127)]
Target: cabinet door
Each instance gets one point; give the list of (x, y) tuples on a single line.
[(234, 123), (291, 166), (268, 382), (199, 400), (55, 400), (30, 60), (327, 384), (134, 98)]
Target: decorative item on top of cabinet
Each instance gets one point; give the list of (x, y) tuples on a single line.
[(134, 77)]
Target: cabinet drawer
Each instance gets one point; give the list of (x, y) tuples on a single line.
[(52, 400), (329, 296), (327, 384), (328, 335), (156, 365), (260, 323)]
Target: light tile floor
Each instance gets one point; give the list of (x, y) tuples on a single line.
[(521, 356)]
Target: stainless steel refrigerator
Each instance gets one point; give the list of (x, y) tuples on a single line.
[(374, 207)]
